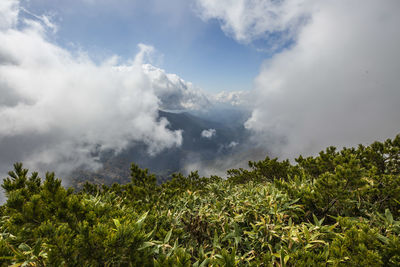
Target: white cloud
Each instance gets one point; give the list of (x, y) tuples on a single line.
[(208, 133), (59, 109), (233, 144), (247, 20), (174, 92), (233, 98), (9, 13), (338, 85)]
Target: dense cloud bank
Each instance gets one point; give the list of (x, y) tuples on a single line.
[(338, 84), (59, 109)]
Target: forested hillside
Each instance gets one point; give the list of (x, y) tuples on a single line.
[(340, 208)]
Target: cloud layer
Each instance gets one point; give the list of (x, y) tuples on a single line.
[(338, 85), (59, 109)]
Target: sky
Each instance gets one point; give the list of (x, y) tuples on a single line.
[(81, 77), (186, 45)]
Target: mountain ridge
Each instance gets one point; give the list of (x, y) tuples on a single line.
[(194, 148)]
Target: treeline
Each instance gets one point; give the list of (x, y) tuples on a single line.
[(340, 208)]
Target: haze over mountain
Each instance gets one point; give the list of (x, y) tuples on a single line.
[(203, 142), (82, 82)]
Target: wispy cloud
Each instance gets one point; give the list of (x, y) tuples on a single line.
[(246, 20)]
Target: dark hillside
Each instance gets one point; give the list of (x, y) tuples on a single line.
[(194, 148)]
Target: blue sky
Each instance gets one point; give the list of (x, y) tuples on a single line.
[(196, 50)]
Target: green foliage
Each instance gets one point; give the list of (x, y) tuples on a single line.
[(340, 208)]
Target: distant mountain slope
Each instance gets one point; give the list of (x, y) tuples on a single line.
[(194, 148)]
